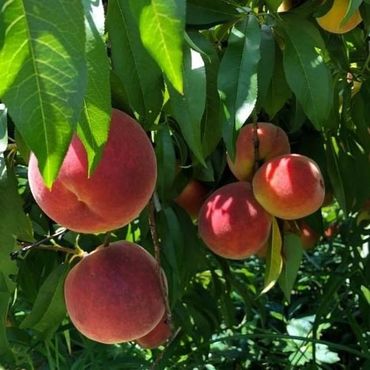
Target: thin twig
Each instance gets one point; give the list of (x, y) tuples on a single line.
[(157, 256), (28, 247)]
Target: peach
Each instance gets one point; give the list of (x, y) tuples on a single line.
[(114, 294), (332, 20), (157, 336), (192, 197), (232, 223), (116, 192), (309, 237), (273, 142), (289, 187)]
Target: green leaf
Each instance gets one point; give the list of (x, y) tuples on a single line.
[(161, 24), (188, 108), (366, 293), (212, 118), (138, 72), (278, 91), (292, 254), (267, 62), (306, 73), (14, 223), (274, 261), (360, 110), (208, 12), (172, 247), (94, 122), (3, 128), (4, 304), (166, 161), (331, 150), (49, 309), (44, 75), (237, 78)]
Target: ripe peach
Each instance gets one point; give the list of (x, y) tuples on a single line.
[(114, 293), (192, 197), (157, 336), (289, 187), (332, 20), (116, 192), (273, 142), (232, 223)]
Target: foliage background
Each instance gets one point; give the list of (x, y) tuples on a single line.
[(191, 72)]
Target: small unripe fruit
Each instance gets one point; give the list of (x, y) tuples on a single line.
[(232, 223), (273, 142), (289, 187), (114, 294), (117, 191)]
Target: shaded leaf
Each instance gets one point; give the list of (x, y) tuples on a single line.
[(306, 73), (292, 254), (4, 303), (14, 222), (267, 63), (334, 172), (137, 70), (208, 12), (49, 309), (94, 121), (278, 91), (44, 75), (166, 162), (161, 24)]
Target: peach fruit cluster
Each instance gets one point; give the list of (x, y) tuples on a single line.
[(115, 293), (235, 220)]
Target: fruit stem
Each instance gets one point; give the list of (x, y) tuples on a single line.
[(157, 256), (106, 239)]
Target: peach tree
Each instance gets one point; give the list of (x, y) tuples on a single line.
[(254, 157)]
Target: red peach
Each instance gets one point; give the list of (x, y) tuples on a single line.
[(273, 142), (232, 223), (114, 294), (157, 336), (289, 187), (116, 192), (192, 197)]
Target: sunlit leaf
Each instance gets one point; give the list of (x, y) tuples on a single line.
[(44, 75), (274, 261)]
